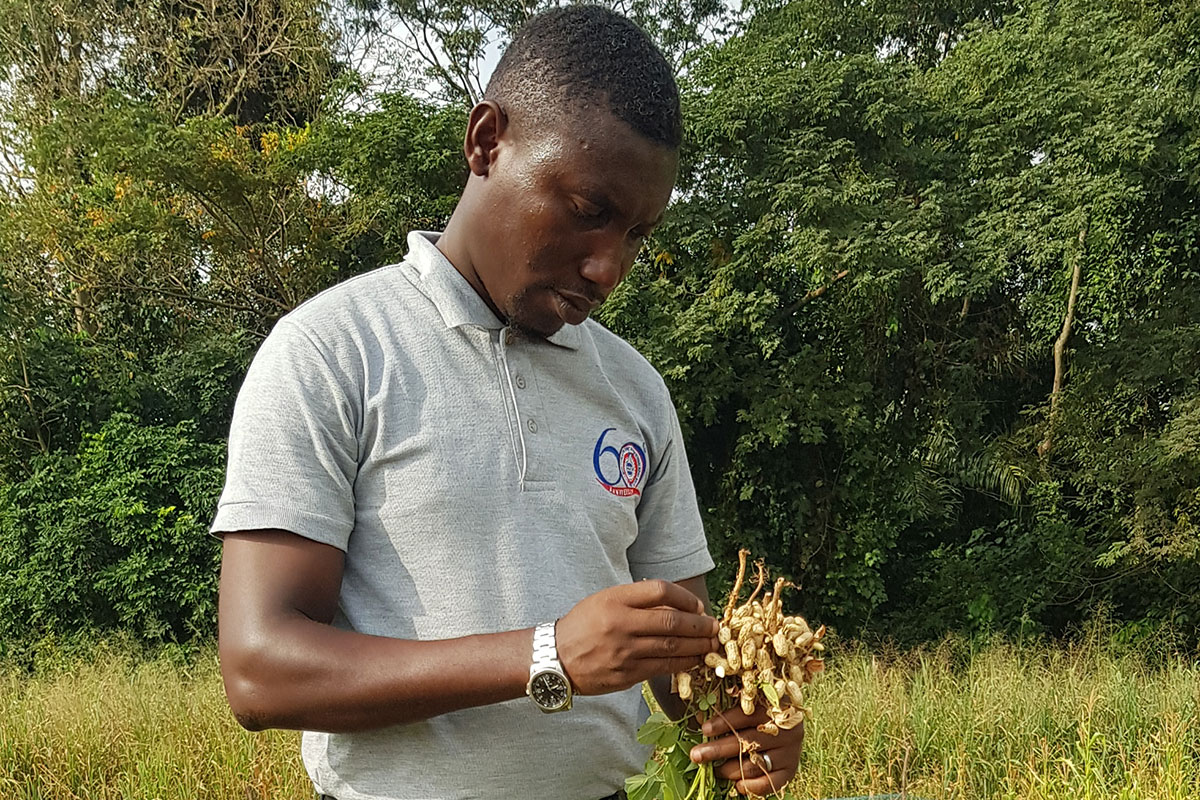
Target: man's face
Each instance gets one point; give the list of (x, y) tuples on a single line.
[(566, 212)]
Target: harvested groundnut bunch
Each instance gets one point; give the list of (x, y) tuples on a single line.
[(766, 657)]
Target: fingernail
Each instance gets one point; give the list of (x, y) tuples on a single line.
[(696, 754)]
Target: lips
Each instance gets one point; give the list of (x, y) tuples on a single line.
[(574, 308), (580, 301)]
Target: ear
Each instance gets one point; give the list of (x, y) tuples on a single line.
[(485, 128)]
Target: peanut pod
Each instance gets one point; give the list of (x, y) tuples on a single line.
[(748, 653), (685, 685), (733, 656)]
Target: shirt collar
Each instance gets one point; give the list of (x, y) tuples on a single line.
[(455, 299)]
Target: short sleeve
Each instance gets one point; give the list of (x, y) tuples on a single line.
[(671, 544), (293, 446)]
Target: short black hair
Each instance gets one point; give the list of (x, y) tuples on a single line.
[(569, 58)]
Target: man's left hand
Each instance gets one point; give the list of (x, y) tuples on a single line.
[(727, 731)]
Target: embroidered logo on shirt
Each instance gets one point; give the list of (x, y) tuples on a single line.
[(619, 470)]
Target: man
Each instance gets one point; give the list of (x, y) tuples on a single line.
[(453, 503)]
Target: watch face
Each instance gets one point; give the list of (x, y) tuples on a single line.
[(549, 690)]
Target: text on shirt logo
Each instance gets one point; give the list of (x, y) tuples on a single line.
[(630, 466)]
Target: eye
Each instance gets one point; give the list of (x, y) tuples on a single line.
[(639, 235), (586, 210)]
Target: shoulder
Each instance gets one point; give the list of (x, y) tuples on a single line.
[(350, 329), (356, 300), (626, 369), (362, 313)]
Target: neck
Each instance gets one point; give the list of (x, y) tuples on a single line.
[(455, 245)]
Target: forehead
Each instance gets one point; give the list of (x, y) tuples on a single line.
[(593, 149)]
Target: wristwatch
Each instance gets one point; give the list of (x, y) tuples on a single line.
[(548, 685)]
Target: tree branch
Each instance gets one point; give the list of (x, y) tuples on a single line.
[(189, 297), (25, 392), (1060, 344), (813, 294)]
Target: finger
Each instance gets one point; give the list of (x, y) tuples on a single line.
[(650, 667), (748, 766), (663, 647), (733, 719), (651, 593), (771, 783), (672, 622), (728, 748)]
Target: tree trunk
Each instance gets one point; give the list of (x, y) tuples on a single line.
[(26, 392), (85, 317), (1060, 344)]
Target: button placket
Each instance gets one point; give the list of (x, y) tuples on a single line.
[(533, 421), (511, 407)]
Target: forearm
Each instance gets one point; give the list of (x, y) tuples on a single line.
[(670, 703), (286, 666), (311, 676)]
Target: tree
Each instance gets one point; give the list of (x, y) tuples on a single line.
[(858, 296), (446, 44)]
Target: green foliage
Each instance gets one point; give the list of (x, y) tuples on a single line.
[(403, 166), (184, 180), (113, 537), (445, 46), (671, 774), (855, 297)]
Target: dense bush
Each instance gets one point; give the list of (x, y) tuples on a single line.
[(113, 536)]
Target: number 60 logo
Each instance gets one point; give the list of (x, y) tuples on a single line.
[(619, 471)]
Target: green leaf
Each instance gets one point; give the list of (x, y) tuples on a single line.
[(769, 690), (643, 787), (673, 783), (659, 731)]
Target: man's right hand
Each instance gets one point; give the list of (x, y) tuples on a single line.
[(621, 636)]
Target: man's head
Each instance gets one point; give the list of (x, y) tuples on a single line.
[(573, 155)]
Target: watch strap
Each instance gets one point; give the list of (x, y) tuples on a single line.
[(545, 649)]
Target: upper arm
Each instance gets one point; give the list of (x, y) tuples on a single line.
[(671, 540), (269, 576)]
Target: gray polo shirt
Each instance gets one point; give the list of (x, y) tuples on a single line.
[(478, 482)]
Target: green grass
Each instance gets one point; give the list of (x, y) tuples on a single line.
[(120, 726), (1010, 723)]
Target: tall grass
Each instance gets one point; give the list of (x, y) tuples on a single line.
[(121, 727), (1007, 722)]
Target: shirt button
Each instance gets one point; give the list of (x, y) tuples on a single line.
[(532, 426), (520, 381)]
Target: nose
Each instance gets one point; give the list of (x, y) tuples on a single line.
[(607, 265)]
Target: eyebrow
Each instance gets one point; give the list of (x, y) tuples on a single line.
[(598, 198)]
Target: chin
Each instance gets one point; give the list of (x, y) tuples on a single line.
[(534, 323), (535, 330)]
